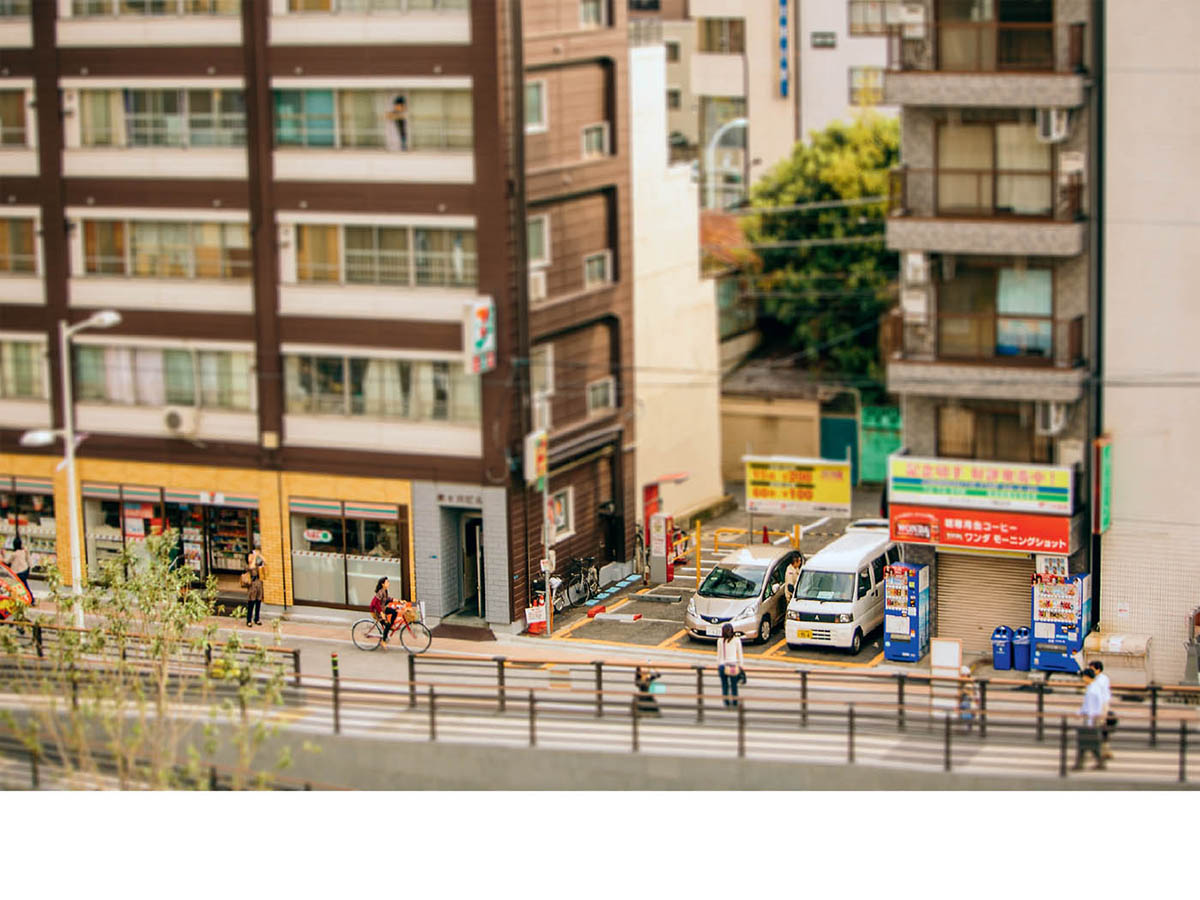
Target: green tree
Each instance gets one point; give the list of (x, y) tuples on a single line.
[(826, 275), (145, 693)]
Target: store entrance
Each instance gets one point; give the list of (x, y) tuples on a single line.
[(214, 540), (472, 565)]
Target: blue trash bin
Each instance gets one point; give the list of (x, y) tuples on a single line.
[(1022, 649), (1002, 647)]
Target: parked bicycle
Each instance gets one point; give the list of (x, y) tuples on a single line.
[(367, 633), (581, 582)]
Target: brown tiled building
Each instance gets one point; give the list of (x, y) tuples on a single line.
[(295, 205)]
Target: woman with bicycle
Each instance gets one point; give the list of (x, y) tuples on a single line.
[(382, 608)]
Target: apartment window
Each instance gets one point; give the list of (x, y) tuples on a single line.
[(866, 85), (722, 36), (1005, 35), (17, 254), (824, 40), (13, 127), (389, 120), (538, 240), (674, 98), (597, 269), (376, 6), (994, 168), (991, 431), (156, 7), (536, 117), (14, 8), (602, 396), (562, 514), (433, 257), (592, 13), (22, 370), (162, 118), (402, 389), (541, 369), (167, 249), (156, 376), (868, 17), (595, 140), (987, 312), (672, 51), (304, 119)]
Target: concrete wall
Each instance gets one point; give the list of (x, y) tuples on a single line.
[(1151, 321), (677, 382), (751, 425)]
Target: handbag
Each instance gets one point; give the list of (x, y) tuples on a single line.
[(245, 579), (741, 676)]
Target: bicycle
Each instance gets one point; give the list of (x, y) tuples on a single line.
[(582, 579), (367, 633)]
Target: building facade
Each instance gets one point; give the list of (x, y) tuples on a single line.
[(347, 240), (993, 352)]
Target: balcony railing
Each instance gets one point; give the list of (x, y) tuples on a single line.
[(1020, 340), (986, 193), (985, 47)]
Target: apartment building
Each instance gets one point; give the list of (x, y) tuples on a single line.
[(993, 214), (348, 240)]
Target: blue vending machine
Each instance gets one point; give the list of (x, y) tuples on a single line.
[(906, 612), (1062, 618)]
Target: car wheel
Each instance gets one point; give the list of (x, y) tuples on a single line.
[(856, 643), (764, 629)]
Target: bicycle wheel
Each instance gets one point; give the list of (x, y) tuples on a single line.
[(415, 637), (366, 634)]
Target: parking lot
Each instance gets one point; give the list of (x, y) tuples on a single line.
[(661, 607)]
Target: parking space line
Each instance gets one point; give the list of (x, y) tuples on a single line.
[(585, 620), (673, 638)]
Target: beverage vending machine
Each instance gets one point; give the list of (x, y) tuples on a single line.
[(905, 612), (1062, 618)]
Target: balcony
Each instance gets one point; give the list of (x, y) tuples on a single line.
[(317, 22), (1006, 211), (995, 64)]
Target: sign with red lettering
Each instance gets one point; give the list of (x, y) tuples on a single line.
[(980, 529)]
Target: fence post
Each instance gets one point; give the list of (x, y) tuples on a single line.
[(850, 733), (37, 638), (1062, 749), (803, 698), (212, 778), (983, 707), (532, 719), (741, 747), (34, 779), (900, 700), (432, 715), (699, 693), (633, 719), (946, 745), (337, 711), (599, 664), (296, 667), (412, 681), (1041, 708), (501, 691), (1183, 730), (1153, 714)]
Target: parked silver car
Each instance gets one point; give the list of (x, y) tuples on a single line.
[(745, 590)]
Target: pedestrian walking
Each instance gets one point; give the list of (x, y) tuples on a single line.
[(18, 561), (1088, 733), (1109, 720), (730, 664), (647, 705), (252, 578)]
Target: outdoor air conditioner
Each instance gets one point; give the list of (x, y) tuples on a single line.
[(1049, 419), (180, 420), (1053, 124), (537, 285)]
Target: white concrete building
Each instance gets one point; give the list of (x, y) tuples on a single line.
[(677, 378), (1151, 321), (842, 58)]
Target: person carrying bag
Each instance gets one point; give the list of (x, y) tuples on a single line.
[(252, 581), (730, 664)]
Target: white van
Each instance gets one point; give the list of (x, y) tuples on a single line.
[(839, 598)]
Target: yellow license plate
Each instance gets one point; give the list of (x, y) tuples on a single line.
[(804, 635)]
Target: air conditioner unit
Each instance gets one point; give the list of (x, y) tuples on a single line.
[(541, 412), (1053, 124), (916, 268), (537, 285), (1049, 419), (180, 420)]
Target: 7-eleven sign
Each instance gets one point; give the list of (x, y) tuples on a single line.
[(479, 335)]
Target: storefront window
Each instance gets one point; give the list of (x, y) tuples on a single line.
[(27, 512), (341, 550)]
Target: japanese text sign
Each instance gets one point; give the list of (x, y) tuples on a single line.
[(980, 529), (980, 484), (797, 486)]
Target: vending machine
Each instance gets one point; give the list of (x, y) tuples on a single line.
[(905, 612), (1062, 618)]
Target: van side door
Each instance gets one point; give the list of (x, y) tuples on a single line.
[(862, 599), (876, 613)]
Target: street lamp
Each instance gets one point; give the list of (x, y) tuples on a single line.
[(43, 437), (710, 153)]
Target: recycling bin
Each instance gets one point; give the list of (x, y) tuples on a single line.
[(1022, 649), (1002, 647)]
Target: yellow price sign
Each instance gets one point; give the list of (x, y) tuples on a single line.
[(789, 485)]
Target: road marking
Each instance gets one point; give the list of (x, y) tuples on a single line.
[(673, 638), (563, 634)]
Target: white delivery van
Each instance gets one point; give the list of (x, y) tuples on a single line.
[(839, 598)]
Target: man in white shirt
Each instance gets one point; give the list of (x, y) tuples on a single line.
[(1105, 688), (1092, 712)]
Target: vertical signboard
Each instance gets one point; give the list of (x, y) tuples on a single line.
[(783, 48), (479, 335), (1102, 480)]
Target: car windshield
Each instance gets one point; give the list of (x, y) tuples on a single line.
[(825, 586), (733, 581)]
